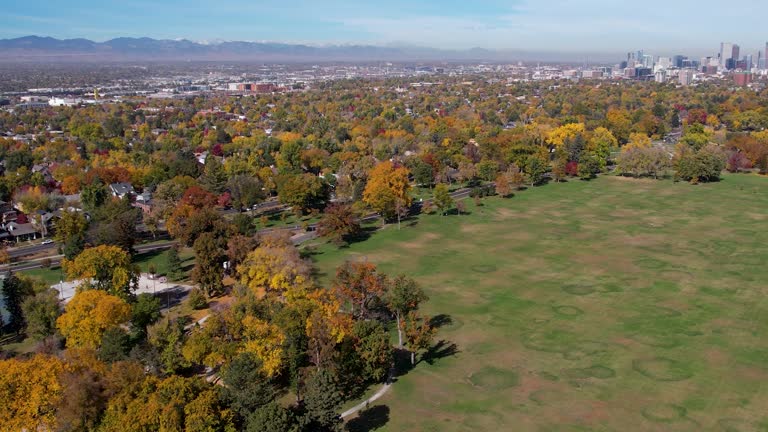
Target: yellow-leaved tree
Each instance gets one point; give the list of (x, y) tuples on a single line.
[(29, 392), (637, 141), (89, 315), (265, 341), (275, 268), (560, 135), (106, 268), (388, 189)]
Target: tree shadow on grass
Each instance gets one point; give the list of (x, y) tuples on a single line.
[(440, 350), (146, 257), (371, 419), (364, 234), (440, 321)]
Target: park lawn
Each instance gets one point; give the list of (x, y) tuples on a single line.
[(50, 275), (609, 305), (159, 258)]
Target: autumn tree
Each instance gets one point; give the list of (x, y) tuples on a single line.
[(601, 144), (88, 315), (106, 268), (361, 286), (276, 268), (238, 248), (386, 185), (638, 140), (70, 231), (264, 340), (418, 334), (29, 392), (339, 223), (404, 297), (503, 187)]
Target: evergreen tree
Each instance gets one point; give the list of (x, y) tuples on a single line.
[(214, 177), (322, 399), (12, 295), (173, 260), (208, 272), (271, 417)]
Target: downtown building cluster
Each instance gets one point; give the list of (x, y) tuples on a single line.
[(726, 63)]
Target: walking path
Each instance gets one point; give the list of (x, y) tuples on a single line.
[(376, 396)]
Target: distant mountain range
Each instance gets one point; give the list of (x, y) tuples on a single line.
[(48, 49)]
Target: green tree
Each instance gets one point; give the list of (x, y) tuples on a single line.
[(535, 168), (214, 177), (422, 172), (167, 337), (93, 196), (442, 198), (12, 294), (487, 169), (589, 165), (247, 387), (115, 344), (41, 312), (271, 417), (246, 191), (373, 348), (322, 399), (173, 263), (145, 311), (303, 192), (209, 260)]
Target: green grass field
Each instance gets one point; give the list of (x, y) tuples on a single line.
[(159, 258), (610, 305)]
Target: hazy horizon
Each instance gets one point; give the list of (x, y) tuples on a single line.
[(591, 26)]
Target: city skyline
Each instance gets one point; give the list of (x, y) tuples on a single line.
[(554, 26)]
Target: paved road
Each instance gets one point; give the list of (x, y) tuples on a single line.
[(299, 238), (56, 259), (15, 252)]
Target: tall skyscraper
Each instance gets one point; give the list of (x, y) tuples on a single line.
[(735, 52), (765, 57), (678, 61), (726, 52)]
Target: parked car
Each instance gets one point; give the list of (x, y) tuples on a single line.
[(48, 241)]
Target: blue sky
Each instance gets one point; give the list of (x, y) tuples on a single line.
[(660, 26)]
